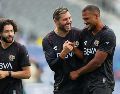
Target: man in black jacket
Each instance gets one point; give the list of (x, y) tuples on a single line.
[(58, 46), (98, 45), (14, 60)]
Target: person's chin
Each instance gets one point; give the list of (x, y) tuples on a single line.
[(68, 29), (9, 41), (90, 27)]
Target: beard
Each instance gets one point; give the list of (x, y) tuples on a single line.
[(65, 28), (6, 39)]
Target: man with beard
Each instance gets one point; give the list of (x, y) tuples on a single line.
[(98, 42), (58, 46), (14, 60)]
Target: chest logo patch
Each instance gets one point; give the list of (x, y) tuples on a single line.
[(85, 42), (55, 48), (96, 43), (107, 42), (76, 43), (11, 57)]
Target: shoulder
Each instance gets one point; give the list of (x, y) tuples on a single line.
[(84, 32), (48, 38), (19, 46), (49, 35), (108, 32)]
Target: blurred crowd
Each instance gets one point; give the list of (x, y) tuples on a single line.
[(109, 5)]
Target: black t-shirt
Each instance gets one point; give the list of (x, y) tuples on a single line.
[(52, 46), (12, 58), (104, 40)]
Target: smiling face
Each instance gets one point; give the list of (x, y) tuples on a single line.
[(7, 35), (90, 19), (64, 22)]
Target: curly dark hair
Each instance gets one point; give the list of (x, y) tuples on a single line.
[(4, 22)]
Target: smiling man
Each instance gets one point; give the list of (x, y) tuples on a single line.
[(60, 55), (98, 42)]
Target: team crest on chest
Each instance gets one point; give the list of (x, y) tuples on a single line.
[(85, 42), (96, 43), (76, 43), (11, 57), (55, 48)]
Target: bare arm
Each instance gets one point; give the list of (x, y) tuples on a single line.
[(24, 74), (78, 53), (95, 63)]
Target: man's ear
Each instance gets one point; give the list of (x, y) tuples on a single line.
[(97, 14), (55, 20)]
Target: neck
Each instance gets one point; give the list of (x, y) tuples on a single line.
[(99, 26), (5, 45), (60, 32)]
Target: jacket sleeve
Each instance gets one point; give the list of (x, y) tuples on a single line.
[(23, 56), (53, 61), (108, 42)]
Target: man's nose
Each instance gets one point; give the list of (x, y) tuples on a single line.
[(69, 21), (10, 32)]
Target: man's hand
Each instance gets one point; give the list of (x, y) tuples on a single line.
[(68, 46), (74, 75), (3, 74)]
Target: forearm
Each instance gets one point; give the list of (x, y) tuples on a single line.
[(63, 54), (95, 63), (58, 62), (24, 74), (91, 66), (78, 53)]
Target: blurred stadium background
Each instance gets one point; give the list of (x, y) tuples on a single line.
[(34, 19)]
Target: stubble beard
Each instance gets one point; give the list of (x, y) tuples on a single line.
[(62, 28), (5, 40)]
